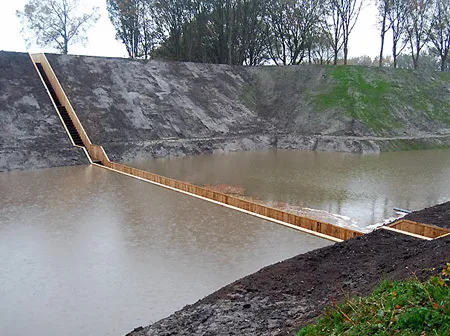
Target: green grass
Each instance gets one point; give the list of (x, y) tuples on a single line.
[(405, 308), (427, 97), (248, 96), (378, 96), (361, 97)]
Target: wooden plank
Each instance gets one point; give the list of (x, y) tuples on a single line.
[(96, 153), (287, 217), (420, 229), (229, 206), (404, 232)]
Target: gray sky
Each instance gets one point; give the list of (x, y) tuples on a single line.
[(364, 40)]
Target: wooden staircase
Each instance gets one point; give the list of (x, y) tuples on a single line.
[(62, 109)]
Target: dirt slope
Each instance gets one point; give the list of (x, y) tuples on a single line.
[(31, 133), (126, 104), (139, 109)]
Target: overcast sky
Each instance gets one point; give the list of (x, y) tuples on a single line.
[(364, 40)]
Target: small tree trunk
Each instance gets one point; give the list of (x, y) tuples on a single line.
[(335, 60), (230, 36), (345, 52), (394, 53), (383, 33), (415, 61)]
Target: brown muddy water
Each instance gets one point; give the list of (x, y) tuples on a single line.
[(85, 251), (364, 188)]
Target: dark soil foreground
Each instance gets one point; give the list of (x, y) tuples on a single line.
[(281, 298)]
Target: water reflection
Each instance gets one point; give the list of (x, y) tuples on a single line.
[(363, 187), (86, 251)]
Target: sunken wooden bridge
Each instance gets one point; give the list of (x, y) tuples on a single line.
[(97, 156)]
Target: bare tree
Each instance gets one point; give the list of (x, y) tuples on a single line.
[(134, 25), (418, 27), (397, 16), (383, 10), (440, 31), (290, 27), (322, 47), (56, 23), (348, 13), (336, 32)]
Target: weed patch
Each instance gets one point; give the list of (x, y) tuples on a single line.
[(360, 97), (248, 96), (409, 307)]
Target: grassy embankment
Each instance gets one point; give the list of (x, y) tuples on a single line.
[(384, 98), (405, 308), (353, 100)]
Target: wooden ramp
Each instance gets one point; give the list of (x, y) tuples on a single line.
[(98, 156)]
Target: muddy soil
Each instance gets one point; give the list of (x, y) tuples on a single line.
[(438, 215), (280, 299)]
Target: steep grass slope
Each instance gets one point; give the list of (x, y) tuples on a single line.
[(355, 101)]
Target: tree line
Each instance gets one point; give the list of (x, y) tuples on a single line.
[(416, 25), (237, 32), (250, 32)]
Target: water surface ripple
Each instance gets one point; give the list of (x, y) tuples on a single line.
[(85, 251)]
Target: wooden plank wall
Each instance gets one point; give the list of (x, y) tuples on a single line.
[(97, 153), (290, 218), (420, 229)]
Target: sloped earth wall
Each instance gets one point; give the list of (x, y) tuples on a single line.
[(280, 299), (31, 133), (139, 109), (351, 100)]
